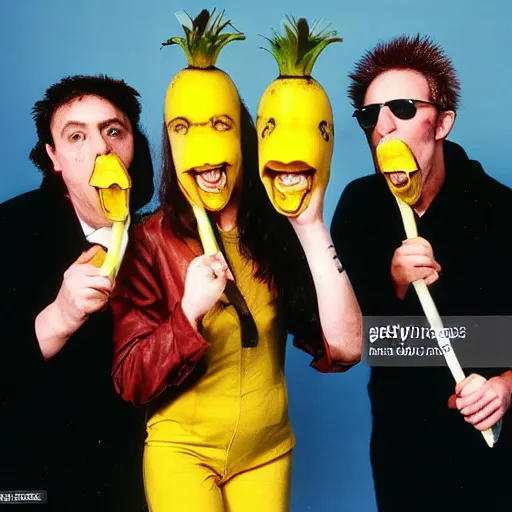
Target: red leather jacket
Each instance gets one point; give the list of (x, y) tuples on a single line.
[(154, 344)]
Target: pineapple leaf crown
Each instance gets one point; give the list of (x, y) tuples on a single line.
[(298, 49), (203, 40)]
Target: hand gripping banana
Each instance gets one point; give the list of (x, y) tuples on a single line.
[(202, 118), (113, 184), (398, 165)]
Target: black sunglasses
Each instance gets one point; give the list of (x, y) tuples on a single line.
[(368, 115)]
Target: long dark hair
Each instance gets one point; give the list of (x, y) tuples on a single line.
[(266, 237)]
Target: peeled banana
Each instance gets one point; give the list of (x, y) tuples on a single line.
[(113, 184)]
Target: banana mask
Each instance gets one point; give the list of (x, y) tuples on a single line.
[(295, 142), (113, 184), (202, 117), (398, 165)]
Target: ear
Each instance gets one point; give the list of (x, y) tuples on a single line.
[(53, 157), (445, 122)]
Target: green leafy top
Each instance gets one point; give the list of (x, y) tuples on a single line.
[(203, 39), (296, 51)]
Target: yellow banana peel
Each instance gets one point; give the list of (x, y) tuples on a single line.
[(393, 156), (113, 184), (112, 262), (396, 162), (98, 259)]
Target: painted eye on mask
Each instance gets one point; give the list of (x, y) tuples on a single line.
[(325, 130), (180, 126), (221, 124), (269, 128)]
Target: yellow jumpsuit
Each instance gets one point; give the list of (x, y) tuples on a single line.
[(225, 444)]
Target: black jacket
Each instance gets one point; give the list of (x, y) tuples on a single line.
[(62, 429), (414, 433)]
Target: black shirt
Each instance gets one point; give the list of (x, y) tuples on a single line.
[(414, 434), (63, 429)]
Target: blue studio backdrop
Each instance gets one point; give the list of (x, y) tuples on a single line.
[(41, 42)]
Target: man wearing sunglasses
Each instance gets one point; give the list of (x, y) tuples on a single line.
[(426, 450)]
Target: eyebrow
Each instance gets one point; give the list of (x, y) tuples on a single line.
[(112, 120), (101, 126), (180, 118)]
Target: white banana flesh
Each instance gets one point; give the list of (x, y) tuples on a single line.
[(206, 234), (490, 435)]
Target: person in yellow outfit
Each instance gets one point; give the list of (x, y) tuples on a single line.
[(199, 339)]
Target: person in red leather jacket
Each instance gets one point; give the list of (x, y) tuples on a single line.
[(211, 371)]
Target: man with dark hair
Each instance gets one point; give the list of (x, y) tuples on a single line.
[(63, 428), (425, 455)]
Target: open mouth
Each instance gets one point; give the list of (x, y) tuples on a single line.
[(211, 178), (114, 202), (400, 178), (292, 177), (112, 182)]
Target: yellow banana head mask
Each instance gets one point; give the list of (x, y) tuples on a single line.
[(398, 165), (113, 184), (202, 115), (295, 121)]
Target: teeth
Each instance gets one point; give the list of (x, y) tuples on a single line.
[(211, 181), (212, 176), (288, 183), (398, 178), (292, 179)]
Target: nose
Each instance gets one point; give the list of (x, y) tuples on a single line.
[(102, 144), (386, 122)]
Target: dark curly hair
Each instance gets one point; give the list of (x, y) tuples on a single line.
[(119, 94)]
